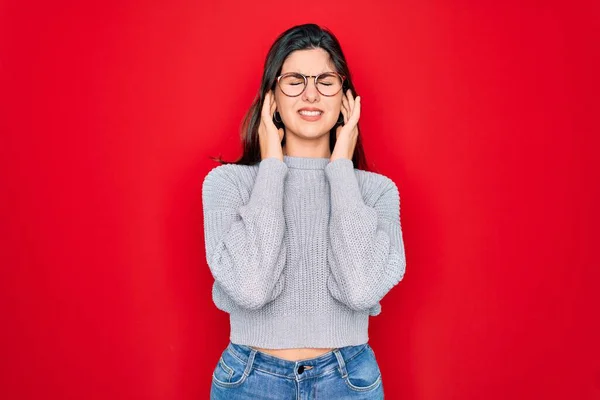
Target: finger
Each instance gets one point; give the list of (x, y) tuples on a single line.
[(345, 109), (350, 100), (344, 113), (273, 105), (266, 104), (273, 99), (356, 111)]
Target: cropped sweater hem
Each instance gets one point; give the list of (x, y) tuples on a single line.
[(317, 330)]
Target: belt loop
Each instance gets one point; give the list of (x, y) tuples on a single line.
[(250, 361), (341, 363)]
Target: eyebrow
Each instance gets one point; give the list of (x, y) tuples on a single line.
[(324, 72)]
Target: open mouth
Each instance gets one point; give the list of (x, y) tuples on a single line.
[(310, 113)]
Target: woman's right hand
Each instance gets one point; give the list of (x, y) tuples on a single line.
[(269, 136)]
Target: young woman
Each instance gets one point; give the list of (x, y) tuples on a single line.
[(301, 240)]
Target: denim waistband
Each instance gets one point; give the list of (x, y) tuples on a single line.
[(301, 369)]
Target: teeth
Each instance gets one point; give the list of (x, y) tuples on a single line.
[(310, 113)]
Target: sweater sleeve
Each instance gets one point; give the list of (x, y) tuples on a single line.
[(366, 250), (244, 242)]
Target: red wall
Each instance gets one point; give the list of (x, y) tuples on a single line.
[(484, 113)]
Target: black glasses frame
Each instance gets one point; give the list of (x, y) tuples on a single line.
[(316, 77)]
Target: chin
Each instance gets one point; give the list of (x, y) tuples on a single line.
[(312, 133)]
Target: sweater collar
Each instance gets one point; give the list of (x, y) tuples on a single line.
[(306, 162)]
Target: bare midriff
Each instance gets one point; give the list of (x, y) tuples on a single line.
[(295, 354)]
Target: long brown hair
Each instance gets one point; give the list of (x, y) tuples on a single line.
[(300, 37)]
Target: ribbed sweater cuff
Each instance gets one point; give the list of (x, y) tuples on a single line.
[(269, 183), (345, 192)]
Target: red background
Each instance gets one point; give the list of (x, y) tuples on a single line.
[(484, 113)]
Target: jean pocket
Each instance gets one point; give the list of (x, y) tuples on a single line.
[(363, 372), (230, 370)]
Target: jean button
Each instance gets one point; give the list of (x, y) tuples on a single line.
[(301, 369)]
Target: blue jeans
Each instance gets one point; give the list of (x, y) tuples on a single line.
[(243, 373)]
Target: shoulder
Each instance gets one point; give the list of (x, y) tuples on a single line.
[(380, 192), (229, 174), (375, 183), (229, 180)]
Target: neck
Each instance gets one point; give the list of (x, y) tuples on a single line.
[(306, 162), (307, 148)]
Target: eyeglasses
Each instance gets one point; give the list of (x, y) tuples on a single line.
[(293, 84)]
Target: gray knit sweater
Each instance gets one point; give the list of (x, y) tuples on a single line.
[(301, 251)]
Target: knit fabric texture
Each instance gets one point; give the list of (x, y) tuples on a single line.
[(301, 251)]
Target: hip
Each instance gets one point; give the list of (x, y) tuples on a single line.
[(244, 372)]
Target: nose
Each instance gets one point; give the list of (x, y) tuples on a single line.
[(311, 94)]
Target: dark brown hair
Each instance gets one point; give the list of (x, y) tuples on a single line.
[(300, 37)]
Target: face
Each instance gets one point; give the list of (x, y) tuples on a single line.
[(308, 62)]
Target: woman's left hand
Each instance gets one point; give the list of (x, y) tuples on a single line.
[(347, 135)]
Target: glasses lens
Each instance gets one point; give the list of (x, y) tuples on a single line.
[(292, 84), (329, 84)]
